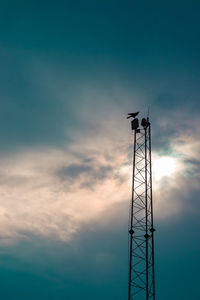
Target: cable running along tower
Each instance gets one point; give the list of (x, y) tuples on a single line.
[(141, 229)]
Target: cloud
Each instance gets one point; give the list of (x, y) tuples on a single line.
[(178, 193), (55, 192), (88, 175)]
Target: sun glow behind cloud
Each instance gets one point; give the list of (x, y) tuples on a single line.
[(54, 192), (50, 192), (164, 166)]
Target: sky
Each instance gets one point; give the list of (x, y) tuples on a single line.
[(70, 72)]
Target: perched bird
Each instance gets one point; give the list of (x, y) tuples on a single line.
[(132, 115)]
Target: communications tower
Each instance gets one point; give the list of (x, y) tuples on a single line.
[(141, 228)]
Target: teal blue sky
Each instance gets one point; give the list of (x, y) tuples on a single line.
[(70, 71)]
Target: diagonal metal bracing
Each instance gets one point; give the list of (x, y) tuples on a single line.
[(141, 238)]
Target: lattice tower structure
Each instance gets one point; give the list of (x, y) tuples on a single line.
[(141, 227)]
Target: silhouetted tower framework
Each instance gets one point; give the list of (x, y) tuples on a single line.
[(141, 229)]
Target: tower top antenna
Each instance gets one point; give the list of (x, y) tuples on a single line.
[(148, 111)]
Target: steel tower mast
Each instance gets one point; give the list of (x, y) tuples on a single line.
[(141, 229)]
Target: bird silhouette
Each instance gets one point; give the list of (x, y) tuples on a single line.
[(132, 115)]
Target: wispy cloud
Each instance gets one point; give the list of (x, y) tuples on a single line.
[(54, 192), (54, 189)]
